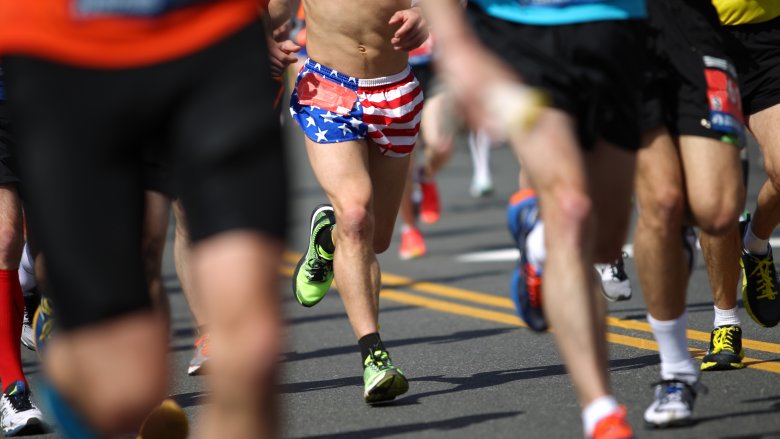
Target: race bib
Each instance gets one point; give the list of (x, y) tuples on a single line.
[(131, 8), (315, 90), (723, 97)]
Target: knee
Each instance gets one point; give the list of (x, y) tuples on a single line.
[(664, 208), (354, 223), (716, 216), (773, 174), (568, 210)]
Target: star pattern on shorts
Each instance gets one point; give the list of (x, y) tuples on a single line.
[(321, 135), (328, 117)]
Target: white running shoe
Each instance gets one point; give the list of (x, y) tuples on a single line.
[(19, 414), (673, 404), (616, 286)]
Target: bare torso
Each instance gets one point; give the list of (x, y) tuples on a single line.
[(353, 37)]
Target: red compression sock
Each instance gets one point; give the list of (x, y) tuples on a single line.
[(11, 314)]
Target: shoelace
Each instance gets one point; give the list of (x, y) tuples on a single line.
[(318, 270), (378, 359), (618, 268), (765, 281), (724, 339), (19, 401)]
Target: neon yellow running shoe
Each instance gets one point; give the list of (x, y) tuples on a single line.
[(314, 272), (725, 352), (383, 381)]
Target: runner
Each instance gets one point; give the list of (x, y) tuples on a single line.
[(86, 88), (359, 105), (754, 31), (692, 136), (578, 153), (19, 414)]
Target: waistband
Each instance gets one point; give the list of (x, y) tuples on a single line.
[(351, 81)]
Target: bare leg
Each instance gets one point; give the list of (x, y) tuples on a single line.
[(658, 243), (182, 249), (365, 219), (764, 126), (156, 216), (137, 345), (570, 231), (236, 273)]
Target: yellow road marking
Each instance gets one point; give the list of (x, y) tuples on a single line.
[(397, 281)]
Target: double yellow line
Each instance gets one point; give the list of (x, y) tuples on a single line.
[(394, 284)]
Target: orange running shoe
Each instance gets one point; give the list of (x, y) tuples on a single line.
[(614, 426), (201, 356), (412, 244), (430, 209)]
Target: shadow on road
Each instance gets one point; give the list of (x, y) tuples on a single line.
[(439, 339), (447, 424)]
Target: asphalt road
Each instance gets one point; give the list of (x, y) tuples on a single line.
[(474, 370)]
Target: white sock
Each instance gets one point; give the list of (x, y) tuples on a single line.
[(479, 144), (596, 411), (754, 244), (726, 317), (534, 246), (676, 361)]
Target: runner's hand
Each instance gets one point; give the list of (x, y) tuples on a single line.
[(281, 55), (413, 30)]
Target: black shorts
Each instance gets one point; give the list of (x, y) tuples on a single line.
[(757, 55), (157, 169), (592, 71), (81, 133), (8, 173), (690, 83)]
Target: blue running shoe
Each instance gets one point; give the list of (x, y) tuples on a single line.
[(526, 286), (43, 324)]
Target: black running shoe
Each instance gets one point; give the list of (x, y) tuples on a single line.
[(760, 288), (725, 352)]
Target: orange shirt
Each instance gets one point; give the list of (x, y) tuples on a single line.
[(51, 29)]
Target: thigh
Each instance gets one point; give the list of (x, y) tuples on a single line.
[(713, 181), (342, 170), (82, 187), (611, 172), (229, 160), (388, 178), (765, 126)]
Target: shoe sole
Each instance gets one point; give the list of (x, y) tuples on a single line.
[(711, 366), (32, 426), (314, 213), (391, 385), (670, 424)]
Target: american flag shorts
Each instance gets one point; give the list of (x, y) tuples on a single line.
[(332, 107)]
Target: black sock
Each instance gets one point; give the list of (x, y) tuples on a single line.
[(325, 240), (368, 344)]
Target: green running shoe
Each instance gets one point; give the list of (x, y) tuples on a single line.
[(725, 352), (760, 288), (314, 273), (383, 381), (43, 324)]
